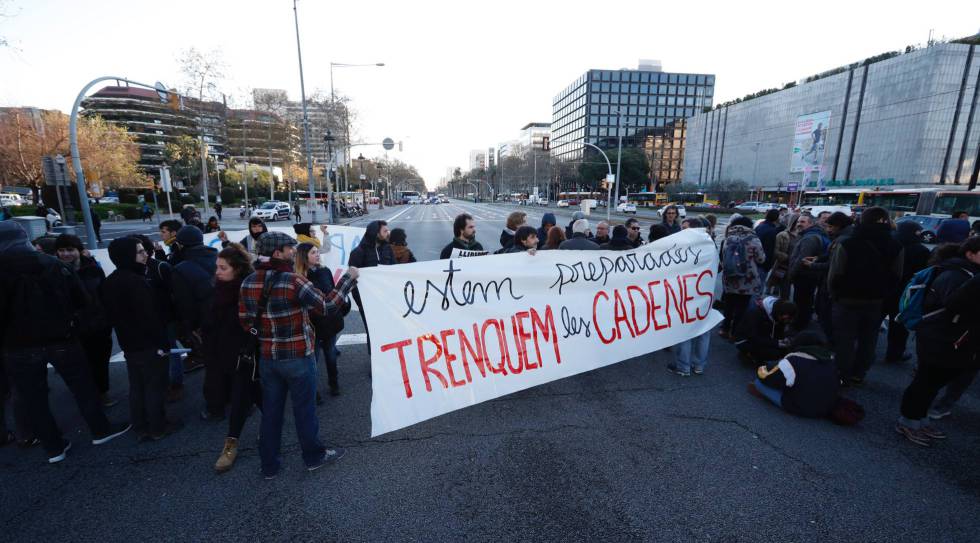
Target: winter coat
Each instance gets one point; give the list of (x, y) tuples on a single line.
[(369, 253), (506, 239), (758, 334), (47, 313), (809, 383), (951, 338), (866, 267), (332, 323), (92, 318), (547, 221), (672, 228), (458, 243), (403, 255), (751, 282), (193, 285), (782, 249), (915, 259), (812, 242), (767, 232), (222, 333), (579, 242), (130, 304)]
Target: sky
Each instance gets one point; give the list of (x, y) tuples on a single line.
[(458, 75)]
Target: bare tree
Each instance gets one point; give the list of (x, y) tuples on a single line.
[(202, 71)]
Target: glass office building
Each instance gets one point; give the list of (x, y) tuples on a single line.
[(647, 106), (905, 119)]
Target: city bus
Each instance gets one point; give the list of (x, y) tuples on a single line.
[(833, 200), (648, 199), (411, 197), (928, 201)]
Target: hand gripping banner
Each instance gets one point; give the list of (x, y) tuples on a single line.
[(448, 334)]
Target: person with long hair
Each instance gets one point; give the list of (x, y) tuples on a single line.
[(555, 237), (212, 226), (223, 338), (671, 219), (328, 327)]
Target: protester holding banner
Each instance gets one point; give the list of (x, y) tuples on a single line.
[(373, 250), (399, 246), (327, 327), (255, 229), (620, 240), (556, 236), (580, 238), (286, 343), (305, 234), (525, 240), (515, 220), (223, 340), (160, 276), (464, 236), (633, 232)]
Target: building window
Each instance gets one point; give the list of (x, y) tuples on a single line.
[(634, 88), (615, 76)]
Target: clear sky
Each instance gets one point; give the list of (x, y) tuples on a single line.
[(459, 75)]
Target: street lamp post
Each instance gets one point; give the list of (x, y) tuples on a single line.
[(333, 104), (306, 120), (609, 177)]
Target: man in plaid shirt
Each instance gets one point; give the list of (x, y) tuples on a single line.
[(287, 359)]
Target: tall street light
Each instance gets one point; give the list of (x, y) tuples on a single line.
[(609, 177), (333, 103), (306, 122)]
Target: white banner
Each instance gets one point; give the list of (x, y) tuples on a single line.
[(342, 240), (452, 333), (462, 253)]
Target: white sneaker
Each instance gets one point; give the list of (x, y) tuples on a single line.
[(936, 414), (59, 457)]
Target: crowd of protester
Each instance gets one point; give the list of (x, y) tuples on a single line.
[(257, 315)]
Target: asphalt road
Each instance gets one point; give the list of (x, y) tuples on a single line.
[(627, 452)]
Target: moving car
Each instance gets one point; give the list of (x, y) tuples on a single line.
[(747, 207), (272, 211), (626, 207), (930, 226), (562, 203)]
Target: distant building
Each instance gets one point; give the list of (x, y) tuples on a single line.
[(646, 106), (895, 119), (322, 114), (536, 136), (478, 159)]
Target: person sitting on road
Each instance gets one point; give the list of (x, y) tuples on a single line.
[(399, 246), (804, 382), (515, 220), (620, 240), (580, 239), (764, 332), (464, 236), (556, 237), (525, 239)]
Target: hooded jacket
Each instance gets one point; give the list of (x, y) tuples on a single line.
[(547, 221), (130, 304), (952, 337), (506, 239), (953, 231), (193, 279), (369, 253), (250, 241), (39, 296), (620, 240), (812, 242), (758, 334), (866, 267), (458, 243)]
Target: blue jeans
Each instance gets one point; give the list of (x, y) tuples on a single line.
[(176, 363), (773, 395), (699, 345), (297, 377), (330, 353)]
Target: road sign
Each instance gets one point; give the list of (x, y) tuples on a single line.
[(54, 173), (165, 185), (388, 144), (792, 187)]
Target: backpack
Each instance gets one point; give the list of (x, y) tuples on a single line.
[(735, 258), (911, 312)]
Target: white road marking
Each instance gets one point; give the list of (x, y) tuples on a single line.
[(352, 339)]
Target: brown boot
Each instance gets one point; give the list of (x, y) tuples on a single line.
[(228, 455)]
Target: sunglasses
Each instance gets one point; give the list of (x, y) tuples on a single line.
[(634, 228)]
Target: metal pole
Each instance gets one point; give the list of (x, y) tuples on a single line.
[(619, 151), (204, 170), (272, 177), (306, 120)]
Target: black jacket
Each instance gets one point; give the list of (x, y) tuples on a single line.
[(916, 258), (333, 323), (40, 299), (867, 266), (951, 338), (131, 306), (222, 332), (92, 318), (457, 243), (579, 242), (369, 253), (809, 383), (758, 335), (506, 240), (193, 285), (767, 235)]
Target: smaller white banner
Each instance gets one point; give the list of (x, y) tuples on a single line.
[(460, 253)]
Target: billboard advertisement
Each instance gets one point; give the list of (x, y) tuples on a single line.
[(809, 137)]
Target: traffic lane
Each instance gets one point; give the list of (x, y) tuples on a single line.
[(624, 452)]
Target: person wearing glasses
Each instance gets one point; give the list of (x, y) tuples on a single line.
[(670, 216), (633, 232)]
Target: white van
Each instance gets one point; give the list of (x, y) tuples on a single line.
[(11, 199)]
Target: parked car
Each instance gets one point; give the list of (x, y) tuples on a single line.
[(747, 207), (681, 212), (8, 200), (542, 201), (930, 226), (272, 211), (626, 207), (766, 206), (562, 203)]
